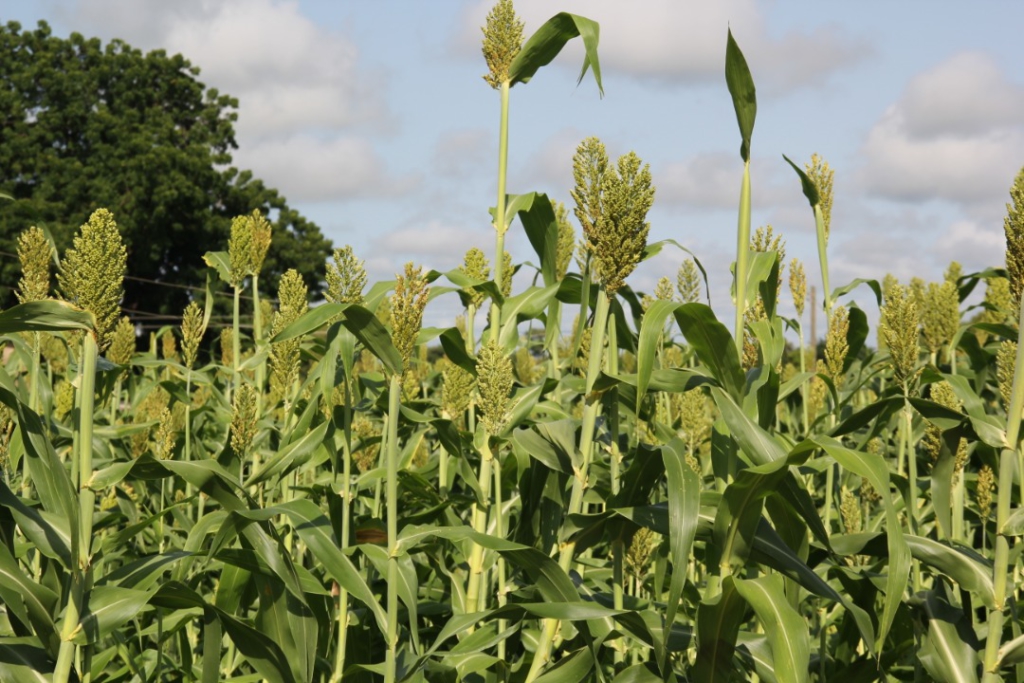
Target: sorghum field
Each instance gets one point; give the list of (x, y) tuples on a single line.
[(576, 481)]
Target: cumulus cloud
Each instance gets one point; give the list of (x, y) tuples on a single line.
[(308, 108), (956, 133), (309, 168), (443, 243), (463, 153), (684, 42)]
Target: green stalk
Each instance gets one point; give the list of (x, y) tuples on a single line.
[(499, 214), (590, 413), (346, 515), (554, 369), (819, 224), (394, 406), (742, 254), (618, 546), (236, 341), (82, 466), (1007, 458), (480, 510), (499, 531), (804, 390)]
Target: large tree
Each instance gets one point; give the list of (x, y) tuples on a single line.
[(83, 126)]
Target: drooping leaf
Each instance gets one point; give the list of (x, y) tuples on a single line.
[(545, 44)]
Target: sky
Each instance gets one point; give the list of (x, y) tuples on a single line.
[(373, 119)]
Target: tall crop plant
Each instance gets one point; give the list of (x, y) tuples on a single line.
[(345, 494)]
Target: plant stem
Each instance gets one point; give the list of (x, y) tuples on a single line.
[(819, 224), (236, 341), (346, 515), (742, 254), (394, 407), (1007, 462), (590, 412), (480, 510), (82, 466), (500, 226)]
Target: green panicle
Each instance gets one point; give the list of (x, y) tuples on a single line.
[(618, 240), (243, 420), (261, 230), (798, 285), (822, 175), (476, 266), (240, 250), (34, 253), (92, 273), (566, 240), (122, 342), (688, 282), (899, 328), (1013, 227), (503, 39), (494, 383), (292, 297), (407, 304), (940, 317), (191, 333), (346, 278), (836, 347), (505, 286)]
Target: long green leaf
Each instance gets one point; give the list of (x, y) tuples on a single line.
[(544, 45), (785, 628), (48, 315), (741, 88)]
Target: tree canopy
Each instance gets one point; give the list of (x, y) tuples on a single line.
[(87, 125)]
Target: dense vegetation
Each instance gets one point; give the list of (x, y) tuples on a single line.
[(88, 125), (344, 493)]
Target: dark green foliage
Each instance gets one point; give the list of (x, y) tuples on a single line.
[(87, 125)]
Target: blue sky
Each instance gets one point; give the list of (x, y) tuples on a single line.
[(373, 119)]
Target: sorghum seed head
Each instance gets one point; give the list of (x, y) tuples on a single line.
[(836, 347), (92, 272), (1006, 361), (566, 240), (1013, 227), (240, 250), (899, 318), (346, 278), (475, 265), (407, 304), (618, 241), (940, 317), (503, 39), (688, 282), (122, 342), (986, 485), (191, 333), (456, 389), (227, 349), (260, 229), (850, 509), (168, 346), (663, 291), (798, 285), (243, 420), (822, 176), (494, 383), (505, 286), (34, 253)]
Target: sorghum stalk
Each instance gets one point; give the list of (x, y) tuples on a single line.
[(612, 204), (394, 407), (346, 514), (1008, 457), (590, 413), (742, 255), (494, 382), (503, 39), (618, 547), (34, 285), (91, 276)]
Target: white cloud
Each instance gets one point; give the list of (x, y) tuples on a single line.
[(973, 244), (443, 243), (307, 106), (956, 133), (309, 168), (684, 41), (964, 96), (463, 153)]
